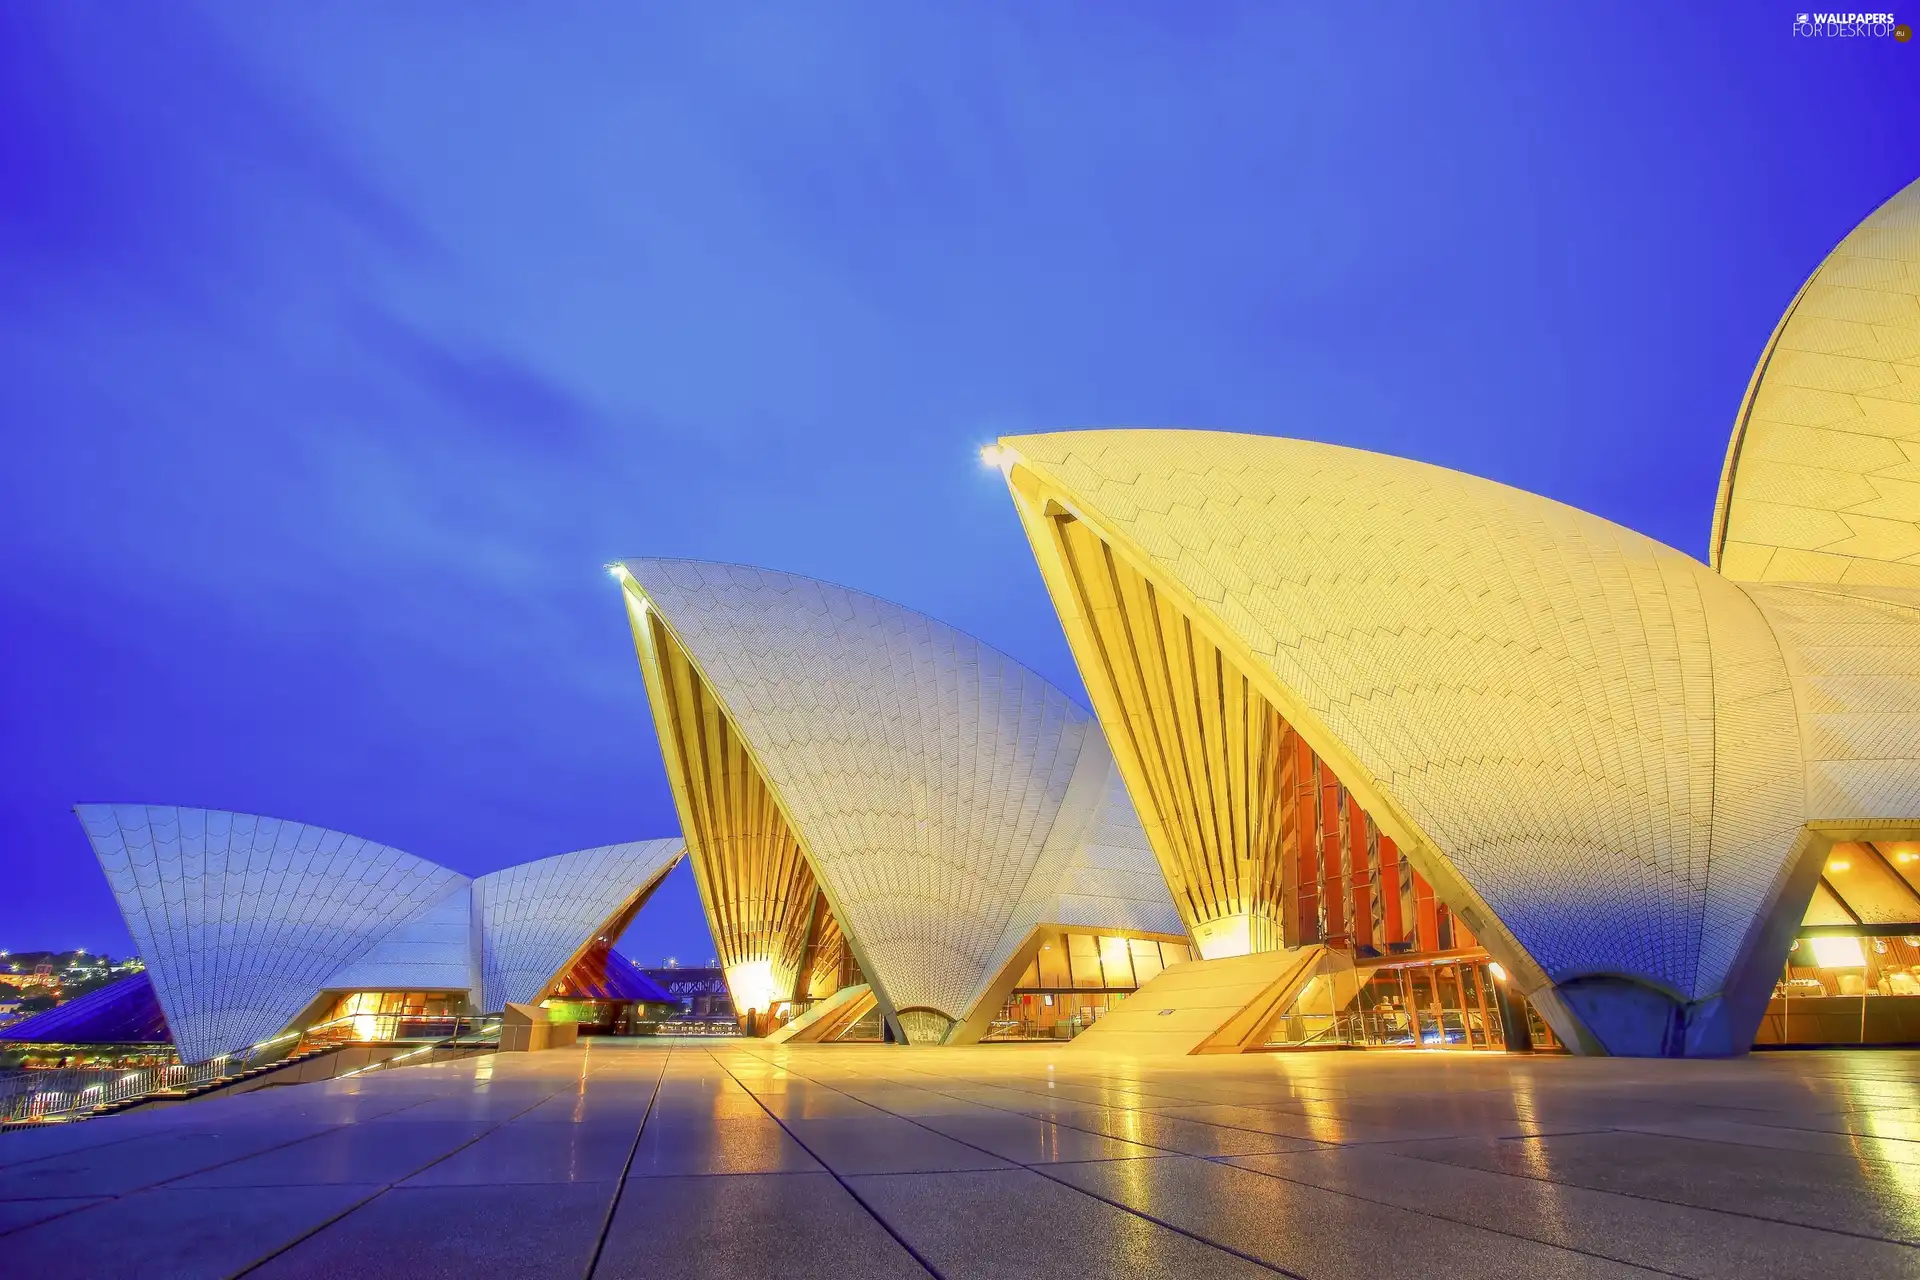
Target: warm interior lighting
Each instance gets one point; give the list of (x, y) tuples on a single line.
[(1903, 856), (1839, 864), (1499, 973), (1838, 953), (751, 983)]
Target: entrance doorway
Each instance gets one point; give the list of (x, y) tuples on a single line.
[(1458, 1001)]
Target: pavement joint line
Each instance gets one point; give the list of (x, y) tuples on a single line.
[(101, 1197), (1501, 1173), (1040, 1171), (380, 1189), (1067, 1124), (1636, 1195), (620, 1187), (1227, 1161), (835, 1174), (1878, 1167), (1054, 1096)]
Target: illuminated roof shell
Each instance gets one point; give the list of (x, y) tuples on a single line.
[(243, 921), (1589, 733), (1822, 478), (948, 798), (537, 917)]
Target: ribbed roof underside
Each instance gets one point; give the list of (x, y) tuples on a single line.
[(1553, 700), (923, 770)]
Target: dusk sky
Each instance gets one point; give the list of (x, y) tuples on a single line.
[(342, 345)]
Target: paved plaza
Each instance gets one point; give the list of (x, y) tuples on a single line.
[(630, 1159)]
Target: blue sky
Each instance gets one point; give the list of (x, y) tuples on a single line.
[(342, 345)]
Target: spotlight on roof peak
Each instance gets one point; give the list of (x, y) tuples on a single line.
[(994, 455)]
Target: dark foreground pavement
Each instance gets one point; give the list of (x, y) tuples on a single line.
[(736, 1160)]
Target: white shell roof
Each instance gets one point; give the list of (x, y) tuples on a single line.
[(1853, 654), (926, 774), (1822, 478), (1594, 730), (535, 916), (433, 950), (242, 920)]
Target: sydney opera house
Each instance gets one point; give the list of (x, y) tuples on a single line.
[(1380, 755), (252, 926)]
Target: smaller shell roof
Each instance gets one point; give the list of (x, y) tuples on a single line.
[(244, 920), (123, 1012), (608, 975)]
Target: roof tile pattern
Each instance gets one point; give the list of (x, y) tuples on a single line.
[(1097, 868), (924, 771), (432, 950), (1854, 657), (242, 919), (534, 918), (1552, 700), (1822, 481)]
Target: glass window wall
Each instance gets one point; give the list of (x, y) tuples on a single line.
[(1440, 1002), (1075, 979), (391, 1015), (1852, 987)]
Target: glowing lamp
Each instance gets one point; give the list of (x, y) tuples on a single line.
[(751, 983), (1838, 953), (1498, 970), (1839, 864)]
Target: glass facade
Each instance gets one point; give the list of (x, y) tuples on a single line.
[(1438, 1002), (1074, 979), (1847, 988), (1853, 974), (392, 1015)]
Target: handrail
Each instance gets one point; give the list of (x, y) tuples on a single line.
[(74, 1092)]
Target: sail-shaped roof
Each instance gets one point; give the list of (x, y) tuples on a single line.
[(1587, 736), (1822, 479), (926, 775), (537, 917), (243, 920)]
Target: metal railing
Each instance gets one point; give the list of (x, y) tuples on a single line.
[(363, 1028), (69, 1093)]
